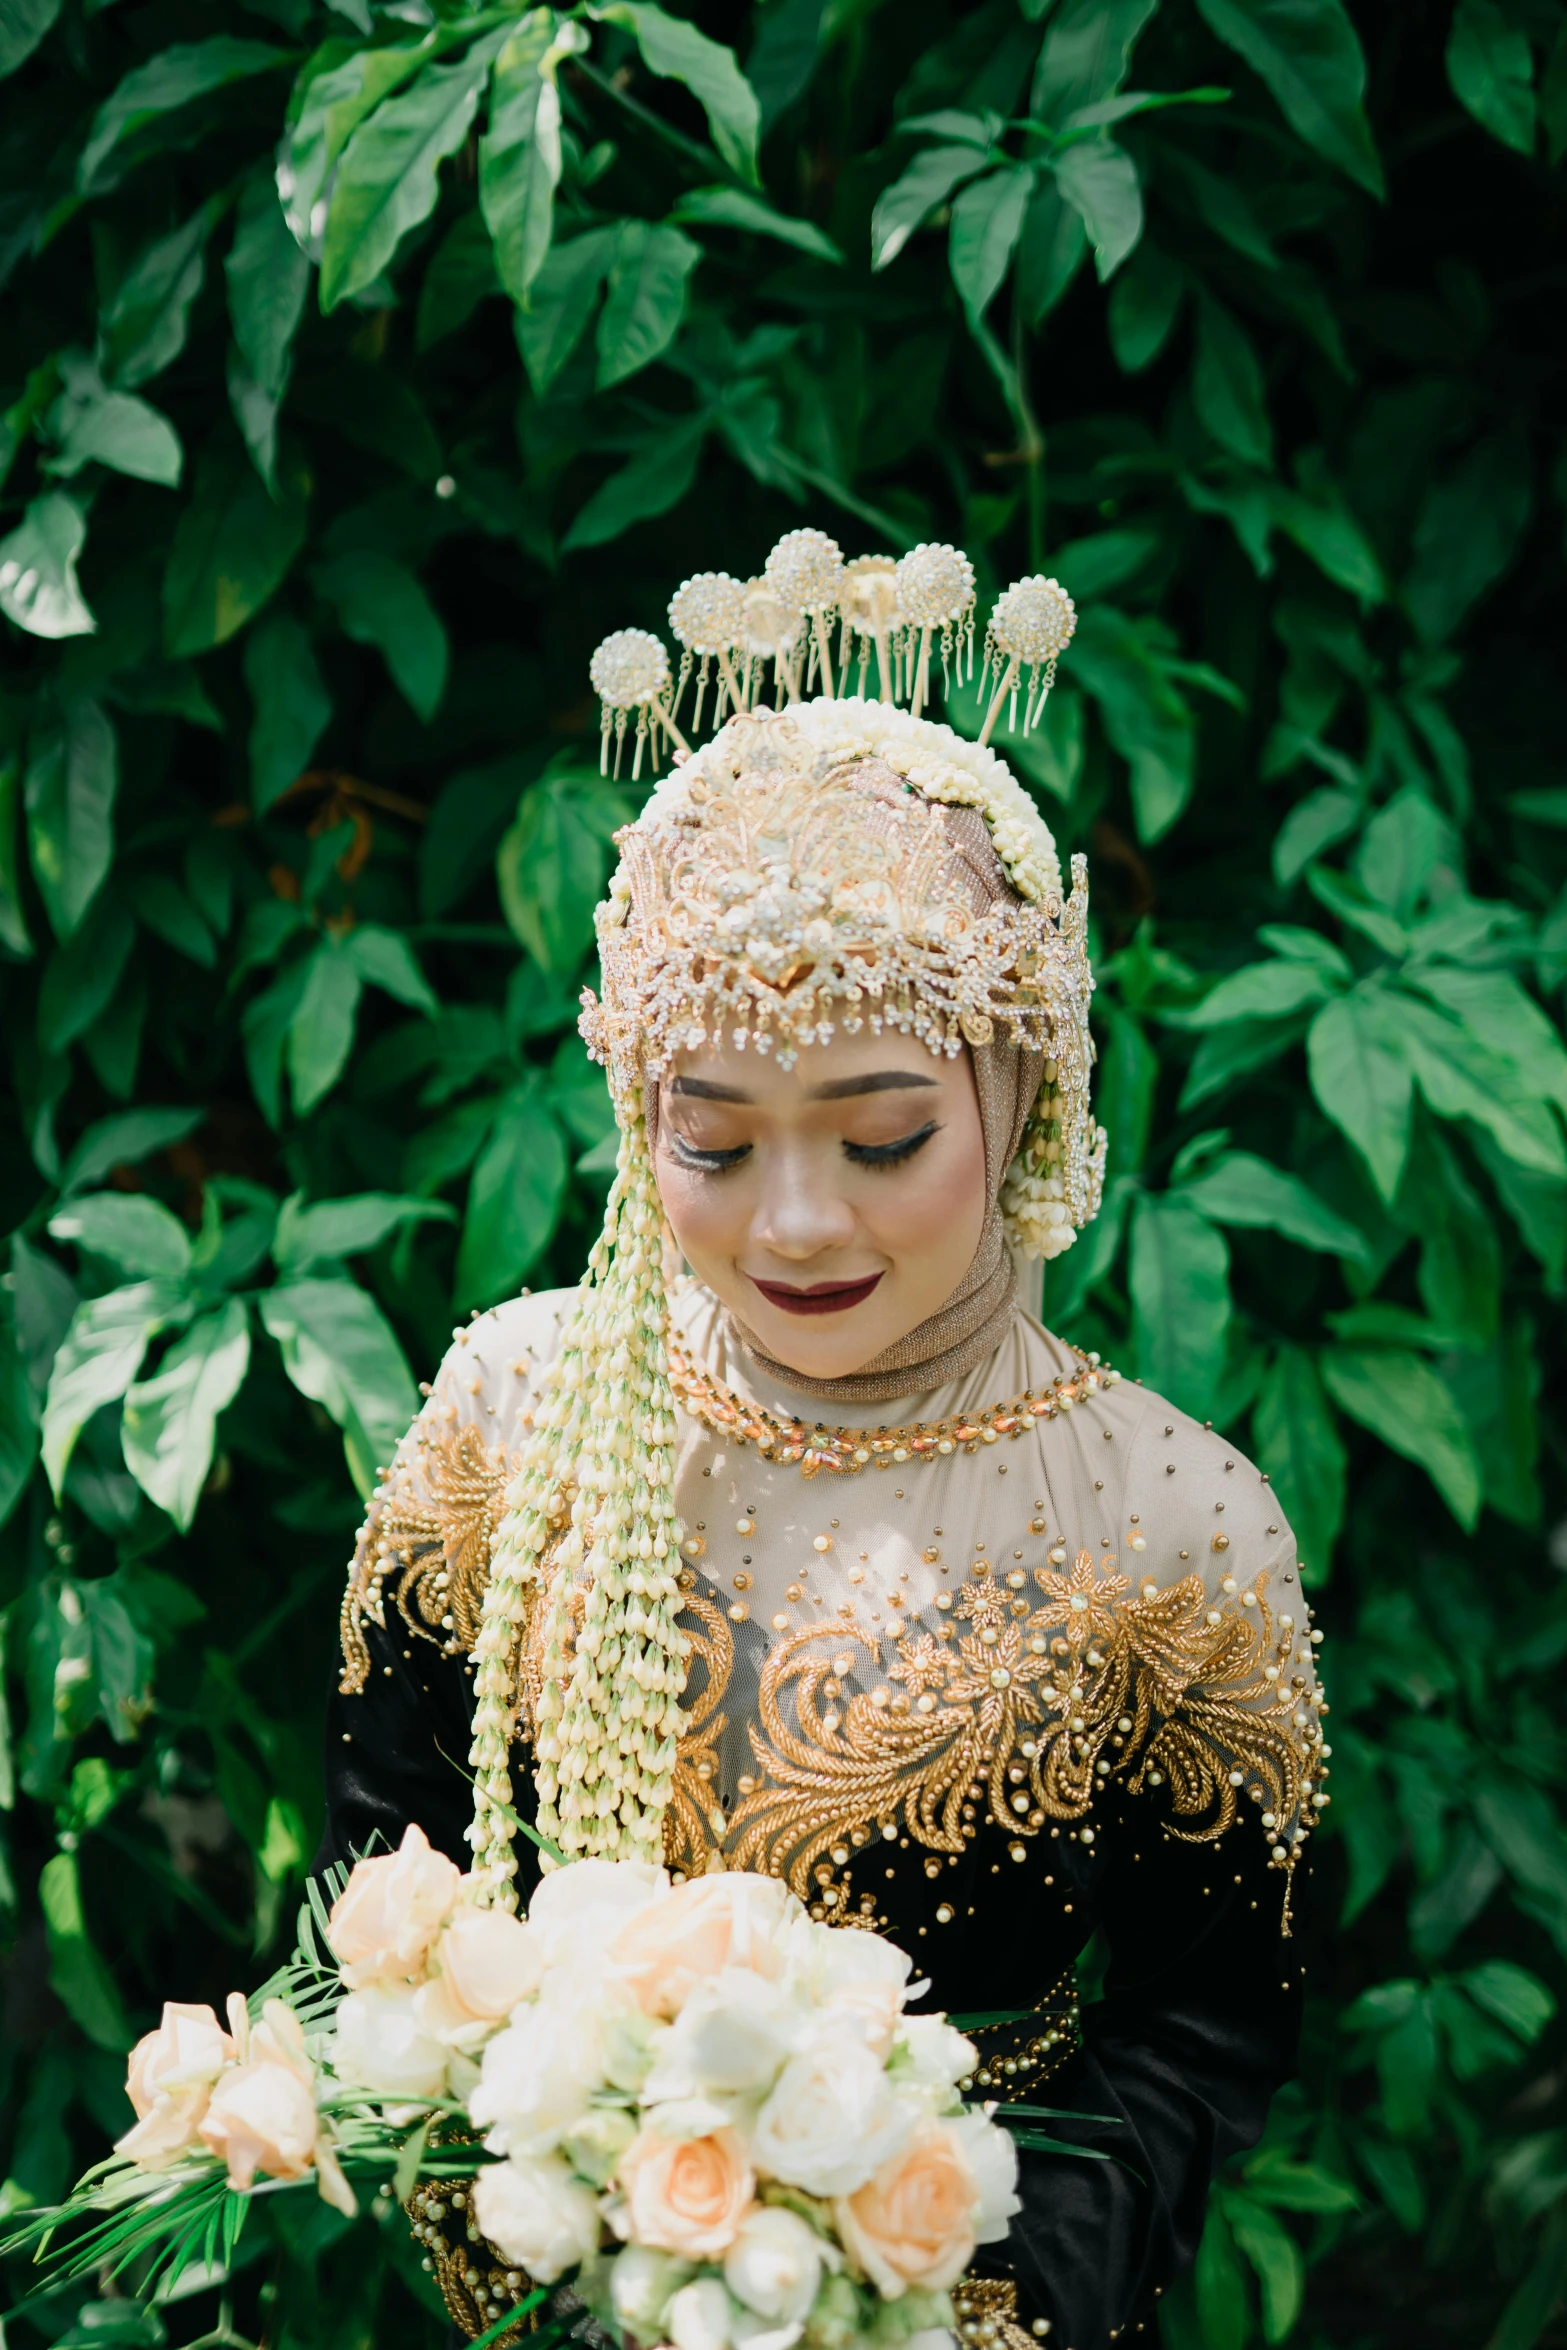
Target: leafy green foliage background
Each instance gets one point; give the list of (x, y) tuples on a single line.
[(363, 363)]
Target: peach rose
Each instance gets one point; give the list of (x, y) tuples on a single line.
[(169, 2080), (262, 2118), (686, 2195), (481, 1966), (699, 1929), (912, 2223), (390, 1911)]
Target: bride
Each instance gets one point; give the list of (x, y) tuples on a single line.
[(792, 1542)]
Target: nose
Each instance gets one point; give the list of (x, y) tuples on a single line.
[(799, 1214)]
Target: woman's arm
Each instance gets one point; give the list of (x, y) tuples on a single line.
[(1196, 2029), (398, 1725)]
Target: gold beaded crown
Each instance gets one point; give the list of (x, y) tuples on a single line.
[(799, 874)]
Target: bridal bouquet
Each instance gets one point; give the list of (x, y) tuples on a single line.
[(710, 2117)]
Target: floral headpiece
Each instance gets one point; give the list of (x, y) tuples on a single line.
[(765, 899)]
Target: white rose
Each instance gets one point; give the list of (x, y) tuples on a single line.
[(866, 1978), (536, 2215), (699, 2316), (774, 2265), (536, 2080), (382, 2045), (990, 2151), (640, 2283), (584, 1907), (932, 2056), (831, 2119), (731, 2036)]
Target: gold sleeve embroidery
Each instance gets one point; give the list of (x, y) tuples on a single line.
[(426, 1543)]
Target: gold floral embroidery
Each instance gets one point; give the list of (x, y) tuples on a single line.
[(694, 1822), (1027, 1717), (427, 1538)]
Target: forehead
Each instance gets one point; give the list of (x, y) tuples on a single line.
[(843, 1061)]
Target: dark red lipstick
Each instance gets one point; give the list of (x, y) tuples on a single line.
[(819, 1297)]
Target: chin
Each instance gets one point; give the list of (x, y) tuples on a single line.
[(816, 1353)]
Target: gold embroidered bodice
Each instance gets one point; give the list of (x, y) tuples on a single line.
[(1104, 1599)]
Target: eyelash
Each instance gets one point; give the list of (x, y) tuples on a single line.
[(860, 1154)]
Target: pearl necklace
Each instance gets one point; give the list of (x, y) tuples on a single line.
[(845, 1451)]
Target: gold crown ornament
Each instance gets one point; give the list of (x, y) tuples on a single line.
[(820, 865)]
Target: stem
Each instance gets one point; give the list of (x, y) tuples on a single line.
[(1000, 695), (883, 666), (1031, 441), (666, 719)]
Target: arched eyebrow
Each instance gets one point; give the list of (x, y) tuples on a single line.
[(839, 1089)]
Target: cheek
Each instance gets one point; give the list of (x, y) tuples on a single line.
[(938, 1208), (701, 1212)]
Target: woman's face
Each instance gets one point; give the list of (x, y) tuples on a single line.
[(832, 1206)]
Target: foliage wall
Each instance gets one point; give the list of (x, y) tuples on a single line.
[(362, 363)]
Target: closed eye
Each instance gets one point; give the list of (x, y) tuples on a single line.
[(891, 1154), (701, 1162)]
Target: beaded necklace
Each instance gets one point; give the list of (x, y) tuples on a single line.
[(845, 1451)]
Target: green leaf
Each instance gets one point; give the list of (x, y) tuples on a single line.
[(1501, 1017), (1275, 2259), (38, 587), (84, 974), (1299, 1445), (1492, 72), (1308, 54), (1275, 2177), (1099, 179), (18, 1451), (1242, 1189), (171, 1419), (519, 157), (136, 1234), (290, 703), (388, 177), (561, 303), (1362, 1078), (1227, 386), (987, 221), (379, 602), (176, 78), (268, 278), (721, 207), (1261, 991), (655, 479), (338, 1349), (93, 425), (674, 49), (1144, 303), (72, 778), (1086, 54), (1050, 250), (1401, 1399), (928, 181), (1323, 528), (461, 275), (1514, 1996), (23, 24), (232, 548), (1145, 716), (384, 959), (321, 1027), (336, 1228), (99, 1356), (78, 1973), (646, 300), (1124, 1093), (1180, 1291), (142, 328), (514, 1199), (1219, 2286), (331, 99), (13, 915), (1470, 528), (553, 864), (1461, 1078), (125, 1141)]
